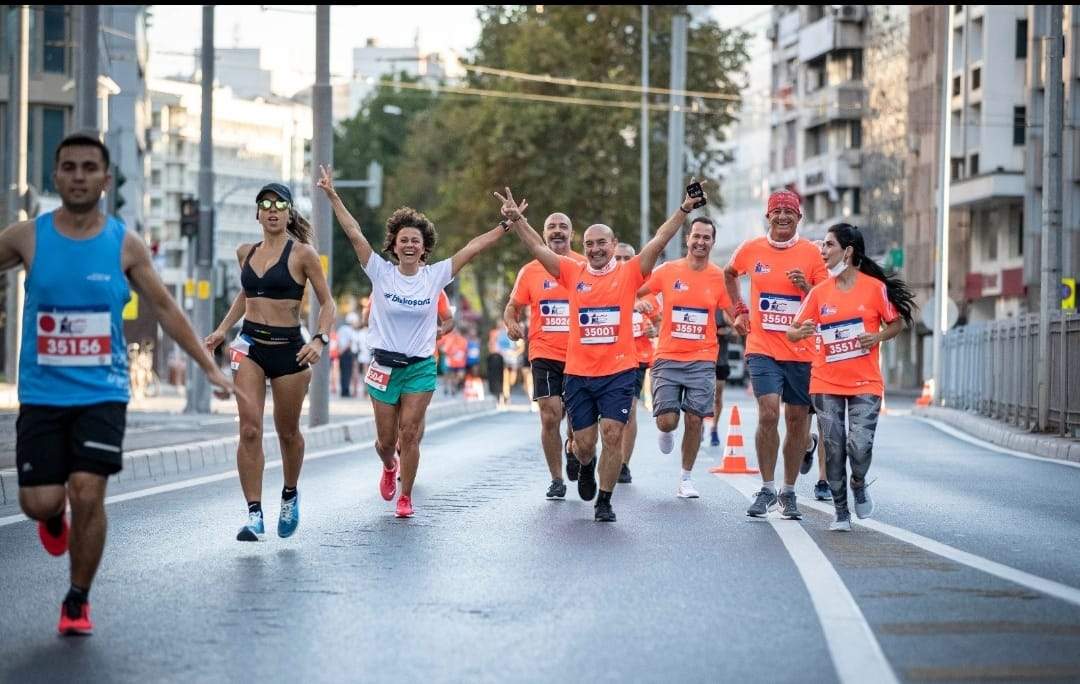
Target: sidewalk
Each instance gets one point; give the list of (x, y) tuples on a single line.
[(1004, 435)]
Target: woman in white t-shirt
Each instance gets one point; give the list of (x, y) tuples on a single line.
[(401, 330)]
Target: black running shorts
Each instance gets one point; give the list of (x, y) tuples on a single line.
[(52, 442)]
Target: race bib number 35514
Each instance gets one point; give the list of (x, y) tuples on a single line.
[(841, 340), (74, 336), (599, 325), (778, 310)]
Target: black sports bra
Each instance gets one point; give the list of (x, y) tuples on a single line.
[(276, 283)]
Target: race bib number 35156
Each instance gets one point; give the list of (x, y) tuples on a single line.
[(599, 325), (74, 336)]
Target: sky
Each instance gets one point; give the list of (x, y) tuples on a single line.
[(286, 34)]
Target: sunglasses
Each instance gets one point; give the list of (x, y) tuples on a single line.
[(280, 205)]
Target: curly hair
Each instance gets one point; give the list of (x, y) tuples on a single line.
[(407, 217)]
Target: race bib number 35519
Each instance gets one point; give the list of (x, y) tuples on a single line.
[(599, 325), (688, 323), (778, 310), (74, 336)]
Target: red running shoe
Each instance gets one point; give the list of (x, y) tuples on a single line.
[(404, 507), (75, 619), (388, 483), (56, 546)]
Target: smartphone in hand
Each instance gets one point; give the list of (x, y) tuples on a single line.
[(694, 190)]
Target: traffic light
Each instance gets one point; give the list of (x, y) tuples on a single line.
[(189, 217), (118, 182)]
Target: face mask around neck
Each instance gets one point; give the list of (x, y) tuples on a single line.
[(782, 245)]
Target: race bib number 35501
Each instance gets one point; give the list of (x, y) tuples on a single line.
[(841, 340), (74, 336), (688, 323), (599, 325), (778, 310)]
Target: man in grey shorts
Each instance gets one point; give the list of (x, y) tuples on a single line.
[(684, 372)]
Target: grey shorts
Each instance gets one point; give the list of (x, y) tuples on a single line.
[(687, 386)]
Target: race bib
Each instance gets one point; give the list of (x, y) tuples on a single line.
[(778, 310), (841, 340), (238, 351), (555, 315), (378, 376), (599, 325), (688, 323), (74, 336)]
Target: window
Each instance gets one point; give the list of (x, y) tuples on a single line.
[(856, 201), (856, 135), (957, 168), (54, 47), (1021, 38), (974, 167), (52, 132), (957, 9), (956, 86), (976, 78), (1019, 125)]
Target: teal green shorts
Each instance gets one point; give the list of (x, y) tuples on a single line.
[(414, 379)]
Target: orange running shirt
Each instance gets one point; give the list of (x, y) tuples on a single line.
[(549, 309), (642, 342), (691, 298), (842, 366), (774, 300), (601, 340), (444, 310)]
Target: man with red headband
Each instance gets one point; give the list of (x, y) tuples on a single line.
[(782, 269)]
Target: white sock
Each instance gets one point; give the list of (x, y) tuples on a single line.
[(769, 486), (787, 489), (686, 474)]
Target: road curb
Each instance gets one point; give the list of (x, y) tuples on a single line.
[(1004, 435), (160, 462)]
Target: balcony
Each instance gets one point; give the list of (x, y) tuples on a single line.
[(789, 29), (826, 35), (835, 103), (989, 186)]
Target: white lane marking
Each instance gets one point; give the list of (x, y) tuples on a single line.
[(1000, 570), (218, 477), (855, 651), (961, 435)]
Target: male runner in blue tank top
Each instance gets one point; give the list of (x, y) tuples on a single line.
[(73, 371)]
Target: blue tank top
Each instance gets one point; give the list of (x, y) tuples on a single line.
[(73, 349)]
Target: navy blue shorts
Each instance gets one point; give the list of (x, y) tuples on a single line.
[(789, 379), (608, 396)]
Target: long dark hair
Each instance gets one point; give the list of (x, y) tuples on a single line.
[(897, 291), (299, 227)]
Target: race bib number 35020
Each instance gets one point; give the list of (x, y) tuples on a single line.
[(74, 336), (778, 310), (555, 315), (841, 340), (599, 325)]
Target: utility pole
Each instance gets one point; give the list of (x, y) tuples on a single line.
[(19, 117), (86, 87), (1050, 281), (643, 136), (941, 251), (676, 127), (322, 154), (198, 397)]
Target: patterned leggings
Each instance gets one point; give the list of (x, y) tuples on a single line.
[(855, 443)]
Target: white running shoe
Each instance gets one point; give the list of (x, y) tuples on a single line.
[(841, 524), (686, 490), (666, 440)]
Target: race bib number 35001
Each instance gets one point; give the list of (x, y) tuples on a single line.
[(841, 340), (599, 325), (555, 315), (688, 323), (778, 310), (74, 336)]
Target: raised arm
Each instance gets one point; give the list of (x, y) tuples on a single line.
[(651, 251), (348, 223), (514, 213), (476, 245)]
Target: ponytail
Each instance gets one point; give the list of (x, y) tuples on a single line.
[(896, 290), (299, 227)]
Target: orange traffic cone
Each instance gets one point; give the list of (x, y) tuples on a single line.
[(734, 459), (927, 397)]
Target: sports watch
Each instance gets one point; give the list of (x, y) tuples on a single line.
[(325, 338)]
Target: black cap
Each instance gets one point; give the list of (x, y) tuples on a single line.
[(278, 189)]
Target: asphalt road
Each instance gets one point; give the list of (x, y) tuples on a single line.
[(491, 582)]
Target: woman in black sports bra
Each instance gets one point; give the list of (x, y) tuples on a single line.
[(271, 347)]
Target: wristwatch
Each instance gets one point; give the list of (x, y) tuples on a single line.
[(324, 338)]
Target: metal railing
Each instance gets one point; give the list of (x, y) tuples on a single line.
[(991, 368)]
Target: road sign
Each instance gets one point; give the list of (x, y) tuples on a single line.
[(1068, 293)]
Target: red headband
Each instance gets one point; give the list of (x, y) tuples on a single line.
[(784, 198)]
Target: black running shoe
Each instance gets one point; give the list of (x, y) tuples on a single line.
[(573, 466), (604, 512), (586, 484), (624, 475), (557, 490), (808, 457)]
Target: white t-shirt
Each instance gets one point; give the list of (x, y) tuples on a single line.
[(345, 338), (362, 348), (404, 308)]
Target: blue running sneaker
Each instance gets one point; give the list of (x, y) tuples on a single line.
[(253, 529), (714, 438), (290, 516)]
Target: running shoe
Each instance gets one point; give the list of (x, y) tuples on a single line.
[(388, 482), (404, 507), (624, 475), (864, 505), (253, 529), (842, 523), (604, 512), (666, 441), (714, 438), (808, 457), (289, 518), (56, 546), (822, 491), (557, 490), (764, 502), (586, 484), (573, 466), (75, 619), (686, 490), (789, 511)]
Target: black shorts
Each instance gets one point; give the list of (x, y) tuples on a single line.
[(548, 376), (273, 348), (723, 372), (639, 379), (54, 441)]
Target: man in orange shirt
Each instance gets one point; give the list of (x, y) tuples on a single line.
[(601, 362), (782, 269), (684, 372), (549, 325), (644, 333)]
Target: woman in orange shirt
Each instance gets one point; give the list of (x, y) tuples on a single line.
[(853, 312)]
